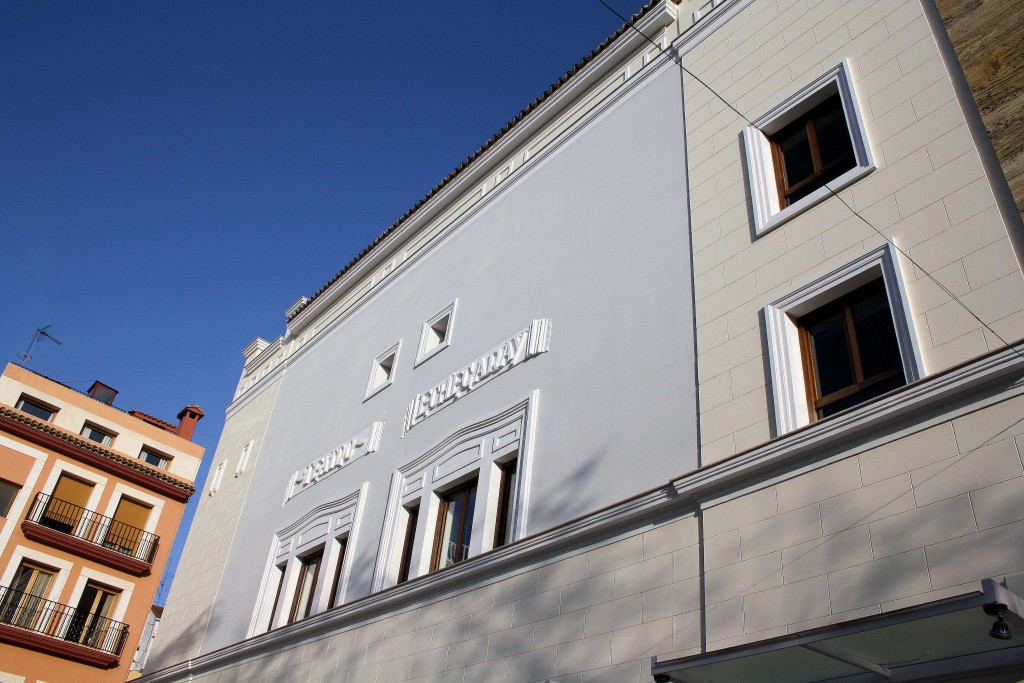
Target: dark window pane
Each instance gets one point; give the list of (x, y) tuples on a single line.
[(863, 395), (876, 336), (35, 410), (831, 354), (833, 135), (796, 155), (7, 493)]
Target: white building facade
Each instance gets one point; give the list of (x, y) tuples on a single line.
[(650, 389)]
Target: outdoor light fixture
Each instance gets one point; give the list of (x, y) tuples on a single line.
[(1000, 629)]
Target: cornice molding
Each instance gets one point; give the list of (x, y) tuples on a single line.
[(46, 435)]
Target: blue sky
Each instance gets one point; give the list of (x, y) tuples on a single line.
[(175, 174)]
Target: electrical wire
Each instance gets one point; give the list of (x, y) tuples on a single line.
[(675, 57)]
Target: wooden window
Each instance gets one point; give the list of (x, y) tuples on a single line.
[(67, 504), (24, 602), (277, 595), (8, 490), (813, 150), (90, 621), (506, 497), (412, 517), (302, 602), (127, 528), (336, 583), (35, 408), (850, 351), (454, 526)]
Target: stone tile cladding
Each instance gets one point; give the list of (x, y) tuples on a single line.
[(928, 193)]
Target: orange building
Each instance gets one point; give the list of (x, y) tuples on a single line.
[(90, 499)]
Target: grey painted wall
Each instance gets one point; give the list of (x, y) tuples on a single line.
[(595, 238)]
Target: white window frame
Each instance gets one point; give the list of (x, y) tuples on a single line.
[(375, 386), (764, 189), (323, 527), (422, 352), (108, 442), (243, 459), (45, 405), (784, 352), (476, 451), (218, 477), (160, 454)]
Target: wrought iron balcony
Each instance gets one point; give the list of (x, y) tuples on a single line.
[(104, 539), (61, 630)]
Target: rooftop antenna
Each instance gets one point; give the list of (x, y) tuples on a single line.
[(40, 333)]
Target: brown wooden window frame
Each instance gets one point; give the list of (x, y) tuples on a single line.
[(336, 582), (405, 564), (506, 499), (314, 559), (819, 170), (843, 304), (447, 498)]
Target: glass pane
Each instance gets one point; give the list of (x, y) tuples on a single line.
[(454, 511), (796, 156), (35, 410), (833, 135), (831, 354), (467, 526), (7, 493), (863, 395), (876, 336)]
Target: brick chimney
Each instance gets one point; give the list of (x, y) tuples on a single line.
[(187, 419)]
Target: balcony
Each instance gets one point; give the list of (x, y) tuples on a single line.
[(61, 630), (60, 524)]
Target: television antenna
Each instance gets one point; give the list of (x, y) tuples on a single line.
[(41, 332)]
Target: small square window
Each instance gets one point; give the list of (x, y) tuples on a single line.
[(94, 433), (35, 408), (436, 334), (382, 371), (154, 458), (840, 340), (813, 138)]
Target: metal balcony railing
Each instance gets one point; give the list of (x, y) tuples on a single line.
[(95, 528), (48, 618)]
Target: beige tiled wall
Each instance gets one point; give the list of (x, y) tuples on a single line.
[(900, 524), (929, 194), (200, 570)]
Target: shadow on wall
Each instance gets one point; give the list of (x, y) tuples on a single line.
[(182, 647)]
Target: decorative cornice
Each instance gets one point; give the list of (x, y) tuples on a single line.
[(46, 435), (83, 548), (57, 647)]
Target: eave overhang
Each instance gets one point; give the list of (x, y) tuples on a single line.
[(943, 638), (47, 436)]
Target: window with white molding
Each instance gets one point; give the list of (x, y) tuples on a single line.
[(806, 147), (449, 504), (436, 334), (308, 569), (243, 459), (841, 339), (218, 477), (382, 370)]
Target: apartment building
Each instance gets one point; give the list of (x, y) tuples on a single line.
[(90, 499), (707, 367)]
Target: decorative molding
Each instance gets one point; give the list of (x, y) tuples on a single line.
[(375, 384), (462, 452), (530, 342), (363, 443), (764, 190), (422, 352), (784, 352), (47, 436)]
